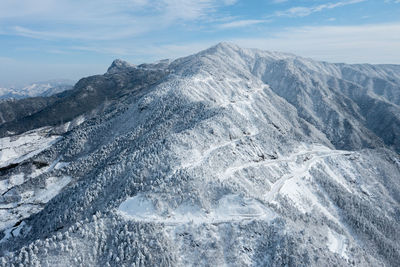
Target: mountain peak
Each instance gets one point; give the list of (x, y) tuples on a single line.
[(118, 65), (223, 47)]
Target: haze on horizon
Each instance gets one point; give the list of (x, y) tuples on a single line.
[(48, 39)]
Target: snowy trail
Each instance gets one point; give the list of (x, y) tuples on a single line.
[(315, 155), (276, 187)]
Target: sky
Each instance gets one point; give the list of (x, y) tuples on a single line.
[(70, 39)]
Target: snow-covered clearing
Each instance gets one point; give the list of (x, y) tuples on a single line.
[(228, 209), (15, 149), (337, 243)]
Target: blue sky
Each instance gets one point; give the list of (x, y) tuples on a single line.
[(47, 39)]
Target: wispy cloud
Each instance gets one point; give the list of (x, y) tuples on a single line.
[(117, 50), (372, 43), (241, 23), (302, 11), (83, 34), (185, 10), (229, 2), (100, 19)]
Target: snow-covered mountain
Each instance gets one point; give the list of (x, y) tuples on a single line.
[(231, 156), (46, 88)]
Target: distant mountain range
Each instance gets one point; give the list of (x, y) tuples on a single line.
[(46, 88), (228, 157)]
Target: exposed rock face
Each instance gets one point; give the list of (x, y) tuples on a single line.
[(227, 157), (119, 65)]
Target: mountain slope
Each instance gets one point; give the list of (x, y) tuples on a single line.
[(230, 157), (327, 96)]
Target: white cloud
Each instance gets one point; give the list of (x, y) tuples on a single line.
[(302, 11), (241, 23)]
